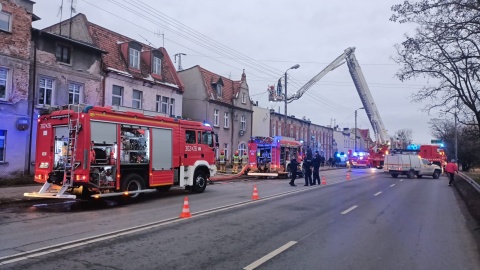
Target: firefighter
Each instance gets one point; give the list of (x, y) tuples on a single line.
[(236, 160), (221, 160), (244, 159)]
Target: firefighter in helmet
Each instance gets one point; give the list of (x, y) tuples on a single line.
[(236, 161), (221, 161), (244, 159)]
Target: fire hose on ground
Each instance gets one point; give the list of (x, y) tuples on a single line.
[(229, 177)]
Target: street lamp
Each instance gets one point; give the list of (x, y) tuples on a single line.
[(285, 97), (362, 108)]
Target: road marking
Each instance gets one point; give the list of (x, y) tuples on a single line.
[(349, 209), (401, 180), (378, 193), (269, 256), (392, 185)]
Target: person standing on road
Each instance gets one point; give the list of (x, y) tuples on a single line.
[(307, 165), (293, 170), (316, 168), (451, 169)]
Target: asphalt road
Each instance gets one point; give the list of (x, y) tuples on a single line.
[(370, 222)]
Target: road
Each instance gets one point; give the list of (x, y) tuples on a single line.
[(372, 221)]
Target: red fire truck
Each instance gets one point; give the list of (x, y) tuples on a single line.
[(270, 156), (431, 152), (99, 152), (359, 159)]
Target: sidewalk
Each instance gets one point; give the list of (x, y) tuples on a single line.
[(15, 193)]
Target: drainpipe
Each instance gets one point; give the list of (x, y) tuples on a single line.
[(32, 106)]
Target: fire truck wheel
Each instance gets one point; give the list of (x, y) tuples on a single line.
[(133, 182), (199, 181)]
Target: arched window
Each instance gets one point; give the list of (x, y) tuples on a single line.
[(242, 149)]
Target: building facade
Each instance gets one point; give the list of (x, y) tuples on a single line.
[(16, 110), (136, 76), (318, 138), (221, 102)]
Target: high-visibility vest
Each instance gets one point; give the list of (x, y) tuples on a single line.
[(222, 159), (235, 159), (245, 159)]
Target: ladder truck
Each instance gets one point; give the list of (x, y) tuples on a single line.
[(380, 149)]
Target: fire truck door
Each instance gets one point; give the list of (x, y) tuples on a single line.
[(162, 157), (193, 148)]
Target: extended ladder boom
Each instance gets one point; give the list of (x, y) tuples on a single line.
[(348, 55)]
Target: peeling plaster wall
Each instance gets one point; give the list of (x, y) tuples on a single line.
[(14, 56)]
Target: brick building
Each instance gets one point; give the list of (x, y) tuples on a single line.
[(15, 109)]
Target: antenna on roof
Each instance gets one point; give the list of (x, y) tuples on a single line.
[(73, 4), (60, 11), (158, 33), (179, 60)]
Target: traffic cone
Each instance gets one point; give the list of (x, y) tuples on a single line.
[(324, 180), (348, 176), (186, 210), (255, 193)]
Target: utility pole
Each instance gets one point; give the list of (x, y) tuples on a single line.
[(179, 60)]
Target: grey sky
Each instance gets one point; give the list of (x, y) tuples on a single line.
[(275, 35)]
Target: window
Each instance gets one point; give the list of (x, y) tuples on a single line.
[(225, 117), (3, 83), (279, 130), (5, 21), (216, 117), (134, 56), (137, 99), (242, 149), (274, 129), (219, 89), (225, 150), (3, 147), (164, 104), (171, 109), (157, 65), (46, 91), (74, 93), (243, 123), (244, 98), (117, 95), (207, 138), (190, 136), (63, 53)]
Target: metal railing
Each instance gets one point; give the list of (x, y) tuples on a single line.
[(470, 180)]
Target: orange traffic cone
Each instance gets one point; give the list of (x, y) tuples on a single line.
[(348, 176), (255, 193), (186, 210), (324, 180)]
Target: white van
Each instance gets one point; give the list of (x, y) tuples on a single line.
[(411, 166)]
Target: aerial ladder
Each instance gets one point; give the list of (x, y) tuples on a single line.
[(382, 138)]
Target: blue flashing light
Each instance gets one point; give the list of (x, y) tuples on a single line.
[(442, 145), (301, 141), (361, 154), (338, 155), (355, 154), (207, 124)]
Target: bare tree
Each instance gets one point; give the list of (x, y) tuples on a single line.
[(403, 137), (445, 48)]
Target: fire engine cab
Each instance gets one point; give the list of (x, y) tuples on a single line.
[(270, 156), (98, 152)]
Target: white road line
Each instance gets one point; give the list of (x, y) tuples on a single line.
[(378, 193), (270, 255), (401, 180), (349, 209), (392, 185)]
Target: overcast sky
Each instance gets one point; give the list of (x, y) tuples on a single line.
[(266, 37)]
